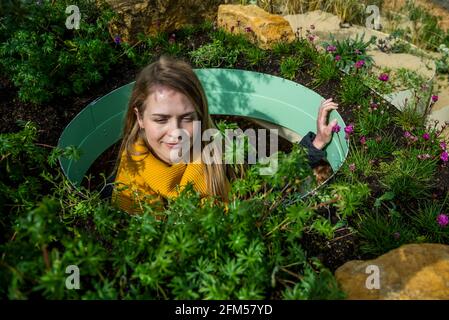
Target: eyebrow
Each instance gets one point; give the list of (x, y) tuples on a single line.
[(168, 115)]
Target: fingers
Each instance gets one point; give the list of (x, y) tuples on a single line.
[(324, 110)]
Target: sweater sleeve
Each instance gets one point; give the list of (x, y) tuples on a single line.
[(314, 155)]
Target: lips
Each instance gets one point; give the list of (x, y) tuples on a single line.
[(173, 145)]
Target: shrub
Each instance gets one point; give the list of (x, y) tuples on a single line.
[(44, 59), (325, 70), (214, 55), (353, 91)]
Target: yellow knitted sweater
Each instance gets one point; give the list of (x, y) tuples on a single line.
[(145, 178)]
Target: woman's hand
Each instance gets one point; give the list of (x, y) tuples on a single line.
[(324, 130)]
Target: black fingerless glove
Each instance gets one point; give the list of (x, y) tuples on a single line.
[(315, 155)]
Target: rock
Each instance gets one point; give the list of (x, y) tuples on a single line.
[(413, 271), (151, 16), (262, 27)]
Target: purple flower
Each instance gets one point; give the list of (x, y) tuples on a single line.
[(363, 140), (337, 58), (374, 106), (331, 48), (336, 128), (384, 77), (352, 167), (349, 129), (426, 136), (443, 219), (359, 64), (434, 98), (443, 145), (117, 39), (444, 156), (407, 134)]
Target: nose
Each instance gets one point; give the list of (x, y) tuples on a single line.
[(175, 131)]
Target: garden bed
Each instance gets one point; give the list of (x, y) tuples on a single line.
[(372, 183)]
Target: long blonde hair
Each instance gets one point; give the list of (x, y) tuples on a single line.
[(177, 75)]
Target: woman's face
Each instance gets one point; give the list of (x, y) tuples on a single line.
[(166, 112)]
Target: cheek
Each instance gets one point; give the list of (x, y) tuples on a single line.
[(154, 132)]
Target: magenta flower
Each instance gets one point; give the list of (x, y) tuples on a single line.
[(336, 128), (337, 58), (443, 145), (426, 136), (407, 134), (443, 219), (349, 129), (363, 140), (384, 77), (311, 37), (352, 167), (331, 48), (434, 98), (359, 64), (117, 39), (444, 156), (374, 106)]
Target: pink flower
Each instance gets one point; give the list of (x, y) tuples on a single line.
[(349, 129), (443, 145), (337, 58), (374, 106), (352, 167), (426, 136), (363, 140), (359, 64), (434, 98), (407, 134), (413, 138), (423, 156), (357, 51), (331, 48), (311, 37), (336, 128), (383, 77), (443, 219), (444, 156)]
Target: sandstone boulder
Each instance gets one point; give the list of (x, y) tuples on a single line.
[(151, 16), (262, 27), (413, 271)]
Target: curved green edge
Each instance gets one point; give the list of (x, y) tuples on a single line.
[(229, 91)]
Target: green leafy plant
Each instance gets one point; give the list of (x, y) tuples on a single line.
[(214, 55), (325, 70), (353, 91), (44, 59), (407, 176), (289, 66)]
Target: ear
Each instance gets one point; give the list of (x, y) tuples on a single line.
[(138, 118)]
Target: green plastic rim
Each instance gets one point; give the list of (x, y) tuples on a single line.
[(229, 92)]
